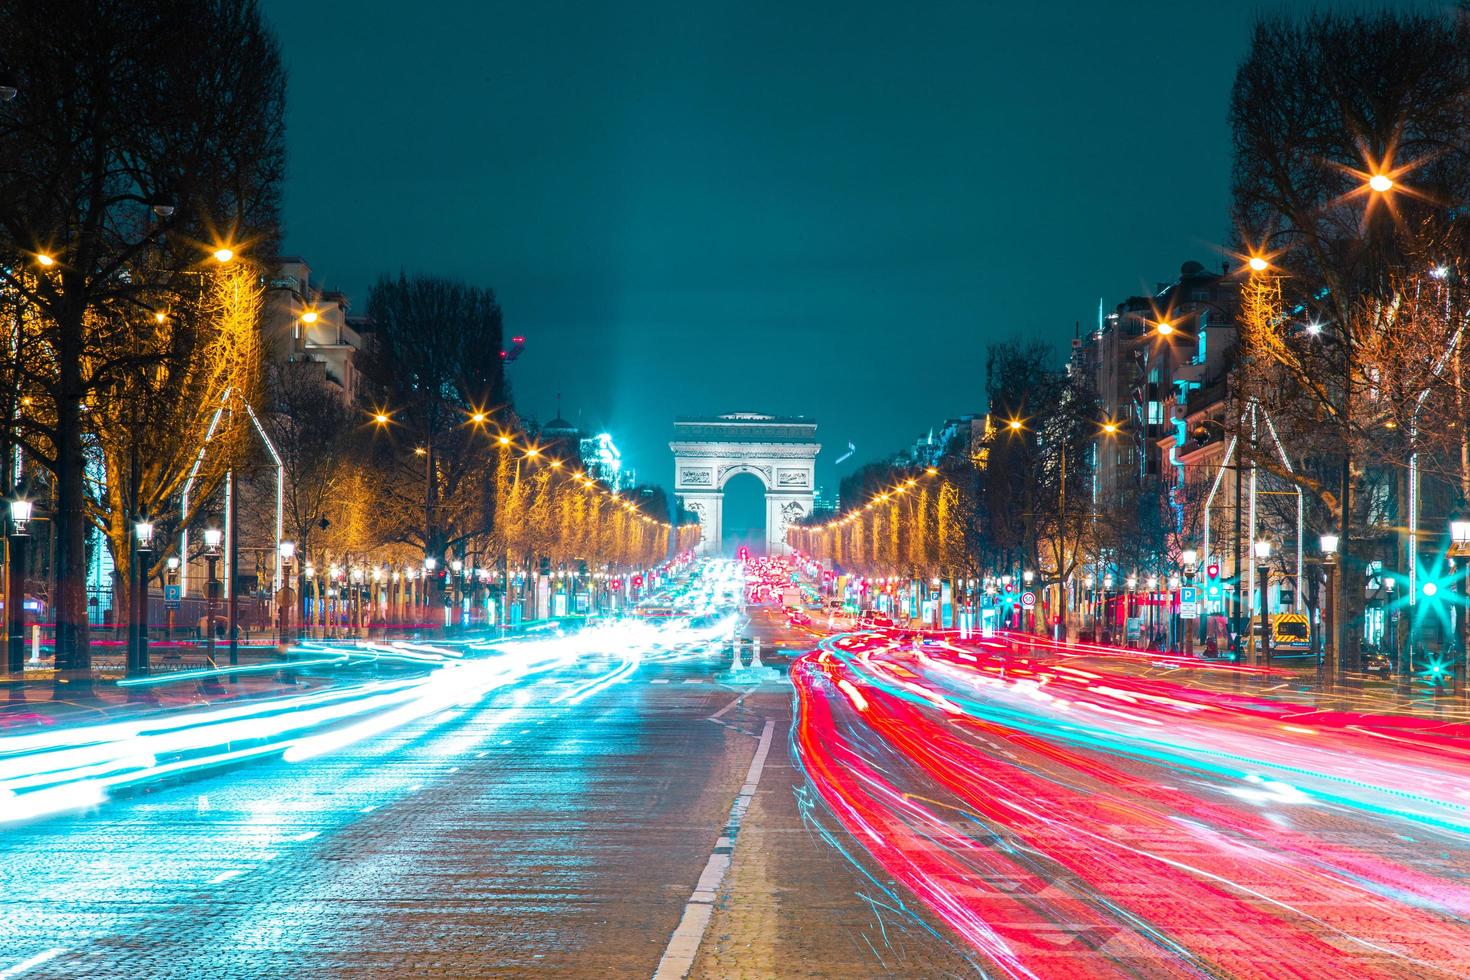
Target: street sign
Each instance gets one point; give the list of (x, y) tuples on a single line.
[(171, 596), (1028, 599), (1188, 602)]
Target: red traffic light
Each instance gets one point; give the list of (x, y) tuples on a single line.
[(617, 583), (637, 581), (1212, 570)]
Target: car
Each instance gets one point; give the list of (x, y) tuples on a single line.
[(799, 617), (1376, 662), (874, 620)]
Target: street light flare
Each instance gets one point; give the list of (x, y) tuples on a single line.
[(223, 254), (44, 260), (1380, 183), (1258, 264)]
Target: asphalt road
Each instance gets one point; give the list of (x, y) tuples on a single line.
[(522, 835), (891, 813)]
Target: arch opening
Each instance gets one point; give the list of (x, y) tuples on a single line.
[(744, 519)]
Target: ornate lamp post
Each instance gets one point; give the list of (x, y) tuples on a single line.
[(1329, 627), (1263, 575), (213, 538), (1460, 548), (287, 551), (142, 551), (15, 602), (172, 579), (1189, 562)]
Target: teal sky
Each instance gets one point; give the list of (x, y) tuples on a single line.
[(824, 209)]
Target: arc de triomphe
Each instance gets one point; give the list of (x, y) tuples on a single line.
[(781, 452)]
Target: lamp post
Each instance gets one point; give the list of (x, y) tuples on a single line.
[(1460, 547), (287, 551), (1189, 559), (213, 538), (138, 630), (1263, 571), (1329, 627), (15, 602), (309, 606), (172, 579), (355, 609)]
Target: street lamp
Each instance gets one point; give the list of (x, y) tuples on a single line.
[(213, 538), (1380, 183), (138, 629), (171, 577), (287, 550), (1460, 548), (15, 602), (1263, 574)]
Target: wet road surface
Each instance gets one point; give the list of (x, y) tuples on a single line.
[(522, 835)]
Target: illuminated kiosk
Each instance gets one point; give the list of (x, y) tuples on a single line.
[(780, 451)]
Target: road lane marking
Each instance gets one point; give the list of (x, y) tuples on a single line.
[(659, 680), (679, 955), (741, 697), (26, 965), (225, 876)]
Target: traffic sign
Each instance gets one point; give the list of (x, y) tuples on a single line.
[(171, 596), (1188, 602), (1028, 599)]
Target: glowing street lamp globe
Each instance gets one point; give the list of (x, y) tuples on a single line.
[(1380, 183), (1460, 531)]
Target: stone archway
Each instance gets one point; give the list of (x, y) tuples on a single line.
[(780, 452)]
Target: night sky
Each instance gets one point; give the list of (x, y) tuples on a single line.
[(802, 208)]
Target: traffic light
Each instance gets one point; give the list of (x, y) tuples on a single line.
[(1212, 580)]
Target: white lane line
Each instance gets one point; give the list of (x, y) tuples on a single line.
[(693, 680), (679, 955), (741, 697), (659, 680), (26, 965), (225, 876)]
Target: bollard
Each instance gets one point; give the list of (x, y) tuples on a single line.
[(755, 659), (737, 665)]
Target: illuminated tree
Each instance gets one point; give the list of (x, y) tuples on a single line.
[(1351, 172), (141, 133), (199, 359)]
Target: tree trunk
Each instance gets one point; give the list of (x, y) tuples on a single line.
[(73, 653)]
